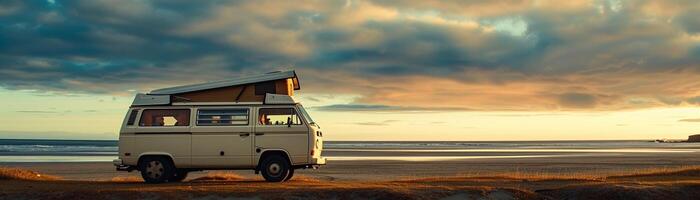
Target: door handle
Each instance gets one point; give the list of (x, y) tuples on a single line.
[(256, 134), (244, 134)]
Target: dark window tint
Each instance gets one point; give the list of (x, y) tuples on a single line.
[(265, 87), (222, 117), (278, 116), (165, 117), (132, 117)]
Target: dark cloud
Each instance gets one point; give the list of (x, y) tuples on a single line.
[(690, 20), (110, 46), (694, 100), (577, 100)]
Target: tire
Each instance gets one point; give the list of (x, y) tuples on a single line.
[(289, 176), (157, 169), (275, 168), (179, 176)]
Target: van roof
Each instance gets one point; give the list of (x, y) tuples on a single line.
[(233, 81), (164, 100)]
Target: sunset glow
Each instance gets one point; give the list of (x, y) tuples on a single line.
[(369, 70)]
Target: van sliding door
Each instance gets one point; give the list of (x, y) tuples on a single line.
[(221, 137)]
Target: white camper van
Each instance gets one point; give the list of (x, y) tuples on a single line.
[(165, 134)]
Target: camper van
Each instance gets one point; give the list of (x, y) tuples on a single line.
[(250, 122)]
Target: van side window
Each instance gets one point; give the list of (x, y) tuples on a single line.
[(165, 117), (222, 117), (132, 117), (278, 116)]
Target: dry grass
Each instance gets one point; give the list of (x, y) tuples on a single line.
[(576, 176), (302, 178), (127, 179), (517, 175), (23, 174), (661, 171), (219, 176)]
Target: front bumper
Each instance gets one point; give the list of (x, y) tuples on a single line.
[(117, 162), (121, 167)]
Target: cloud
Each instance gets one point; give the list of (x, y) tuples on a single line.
[(670, 100), (577, 100), (380, 108), (694, 100), (689, 120), (36, 111), (381, 123), (406, 55)]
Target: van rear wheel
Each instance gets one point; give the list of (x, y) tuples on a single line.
[(157, 169), (275, 168)]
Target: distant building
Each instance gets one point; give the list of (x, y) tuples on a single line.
[(694, 138)]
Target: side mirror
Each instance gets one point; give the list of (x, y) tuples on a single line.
[(289, 121)]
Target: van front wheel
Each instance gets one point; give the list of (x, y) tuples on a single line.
[(291, 173), (275, 168), (156, 169)]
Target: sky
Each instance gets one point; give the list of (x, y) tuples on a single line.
[(369, 70)]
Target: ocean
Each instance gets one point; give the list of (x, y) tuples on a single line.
[(26, 150)]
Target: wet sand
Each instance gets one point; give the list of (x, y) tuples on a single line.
[(628, 174), (393, 165)]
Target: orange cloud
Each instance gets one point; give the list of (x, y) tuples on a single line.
[(494, 90)]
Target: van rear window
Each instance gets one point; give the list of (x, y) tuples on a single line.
[(278, 116), (132, 117), (222, 117), (165, 117)]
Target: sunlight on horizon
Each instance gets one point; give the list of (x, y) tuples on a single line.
[(94, 116)]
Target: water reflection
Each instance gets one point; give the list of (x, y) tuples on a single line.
[(521, 150)]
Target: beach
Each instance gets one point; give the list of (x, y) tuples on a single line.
[(523, 170), (381, 181)]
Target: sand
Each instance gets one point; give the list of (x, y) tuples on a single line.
[(662, 184), (623, 176)]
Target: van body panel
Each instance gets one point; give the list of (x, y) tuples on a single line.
[(315, 145), (139, 140), (293, 139), (176, 145), (213, 150)]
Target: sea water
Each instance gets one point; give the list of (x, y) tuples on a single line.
[(24, 150)]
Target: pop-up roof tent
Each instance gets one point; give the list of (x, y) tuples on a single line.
[(249, 88)]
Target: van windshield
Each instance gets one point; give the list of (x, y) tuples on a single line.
[(306, 114)]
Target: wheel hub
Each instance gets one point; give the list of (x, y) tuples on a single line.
[(274, 169), (155, 169)]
